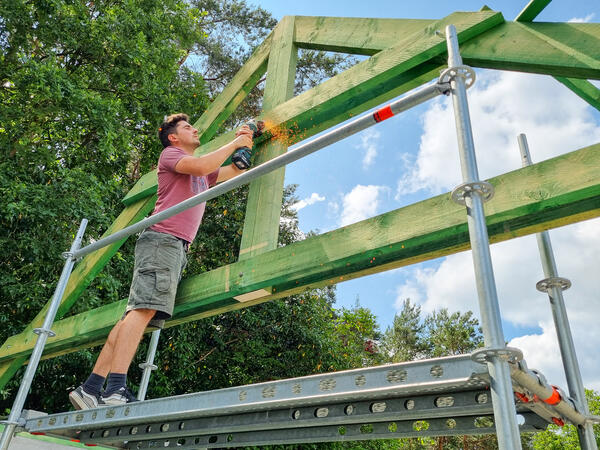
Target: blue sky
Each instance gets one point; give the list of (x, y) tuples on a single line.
[(413, 156)]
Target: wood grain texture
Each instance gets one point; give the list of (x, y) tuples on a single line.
[(263, 209)]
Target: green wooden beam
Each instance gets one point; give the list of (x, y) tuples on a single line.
[(531, 10), (558, 49), (388, 74), (552, 193), (583, 89), (81, 277), (263, 209), (359, 36)]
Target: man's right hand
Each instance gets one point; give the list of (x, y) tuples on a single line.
[(243, 140)]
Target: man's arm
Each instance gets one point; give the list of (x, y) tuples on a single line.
[(205, 164), (228, 172)]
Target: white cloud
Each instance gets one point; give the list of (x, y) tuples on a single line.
[(360, 203), (502, 105), (314, 198), (517, 267), (368, 142), (585, 19)]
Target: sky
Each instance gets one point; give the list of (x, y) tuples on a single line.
[(414, 156)]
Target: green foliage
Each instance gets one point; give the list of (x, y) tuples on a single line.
[(76, 80), (440, 333)]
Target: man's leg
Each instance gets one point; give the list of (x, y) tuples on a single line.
[(126, 342), (130, 334), (88, 394)]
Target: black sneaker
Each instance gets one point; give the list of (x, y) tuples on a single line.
[(119, 397), (81, 399)]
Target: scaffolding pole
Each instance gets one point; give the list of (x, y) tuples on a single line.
[(149, 365), (14, 419), (553, 285), (472, 194)]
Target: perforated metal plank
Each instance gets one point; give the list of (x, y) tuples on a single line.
[(451, 374), (477, 402), (367, 431)]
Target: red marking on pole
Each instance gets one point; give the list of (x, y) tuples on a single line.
[(558, 422), (38, 433), (383, 113)]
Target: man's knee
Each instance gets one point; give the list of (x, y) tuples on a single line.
[(142, 314)]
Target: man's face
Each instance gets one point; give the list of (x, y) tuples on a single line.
[(186, 134)]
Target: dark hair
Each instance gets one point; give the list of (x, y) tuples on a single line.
[(168, 127)]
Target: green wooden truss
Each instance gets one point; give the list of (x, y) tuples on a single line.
[(403, 54)]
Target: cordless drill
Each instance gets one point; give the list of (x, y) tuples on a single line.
[(241, 157)]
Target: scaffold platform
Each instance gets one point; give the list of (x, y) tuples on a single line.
[(434, 397)]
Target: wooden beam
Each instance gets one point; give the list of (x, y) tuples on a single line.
[(360, 36), (388, 74), (552, 193), (583, 89), (558, 49), (263, 209), (81, 277), (531, 10)]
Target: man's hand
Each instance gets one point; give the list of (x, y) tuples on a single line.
[(244, 129), (243, 140)]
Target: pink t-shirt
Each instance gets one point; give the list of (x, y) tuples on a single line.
[(173, 188)]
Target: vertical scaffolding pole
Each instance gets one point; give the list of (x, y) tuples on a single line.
[(43, 334), (472, 193), (148, 366), (553, 285)]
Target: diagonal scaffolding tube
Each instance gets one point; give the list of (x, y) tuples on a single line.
[(14, 419), (353, 127), (554, 286), (474, 192)]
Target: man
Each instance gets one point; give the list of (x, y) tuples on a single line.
[(160, 255)]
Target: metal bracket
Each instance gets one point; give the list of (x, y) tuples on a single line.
[(460, 192), (463, 71), (17, 423), (510, 354), (547, 284), (45, 331), (148, 365), (67, 255)]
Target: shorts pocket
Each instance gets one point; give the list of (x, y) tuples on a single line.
[(163, 280), (151, 279)]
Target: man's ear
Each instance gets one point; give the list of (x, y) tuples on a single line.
[(172, 138)]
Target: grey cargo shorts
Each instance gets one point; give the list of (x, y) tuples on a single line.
[(159, 262)]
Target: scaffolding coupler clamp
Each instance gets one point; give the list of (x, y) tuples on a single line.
[(145, 365), (460, 192), (45, 331), (547, 284), (509, 354), (465, 72)]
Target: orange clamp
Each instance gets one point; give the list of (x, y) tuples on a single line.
[(558, 422), (554, 399), (522, 397)]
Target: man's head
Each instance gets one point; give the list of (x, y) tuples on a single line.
[(176, 130)]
